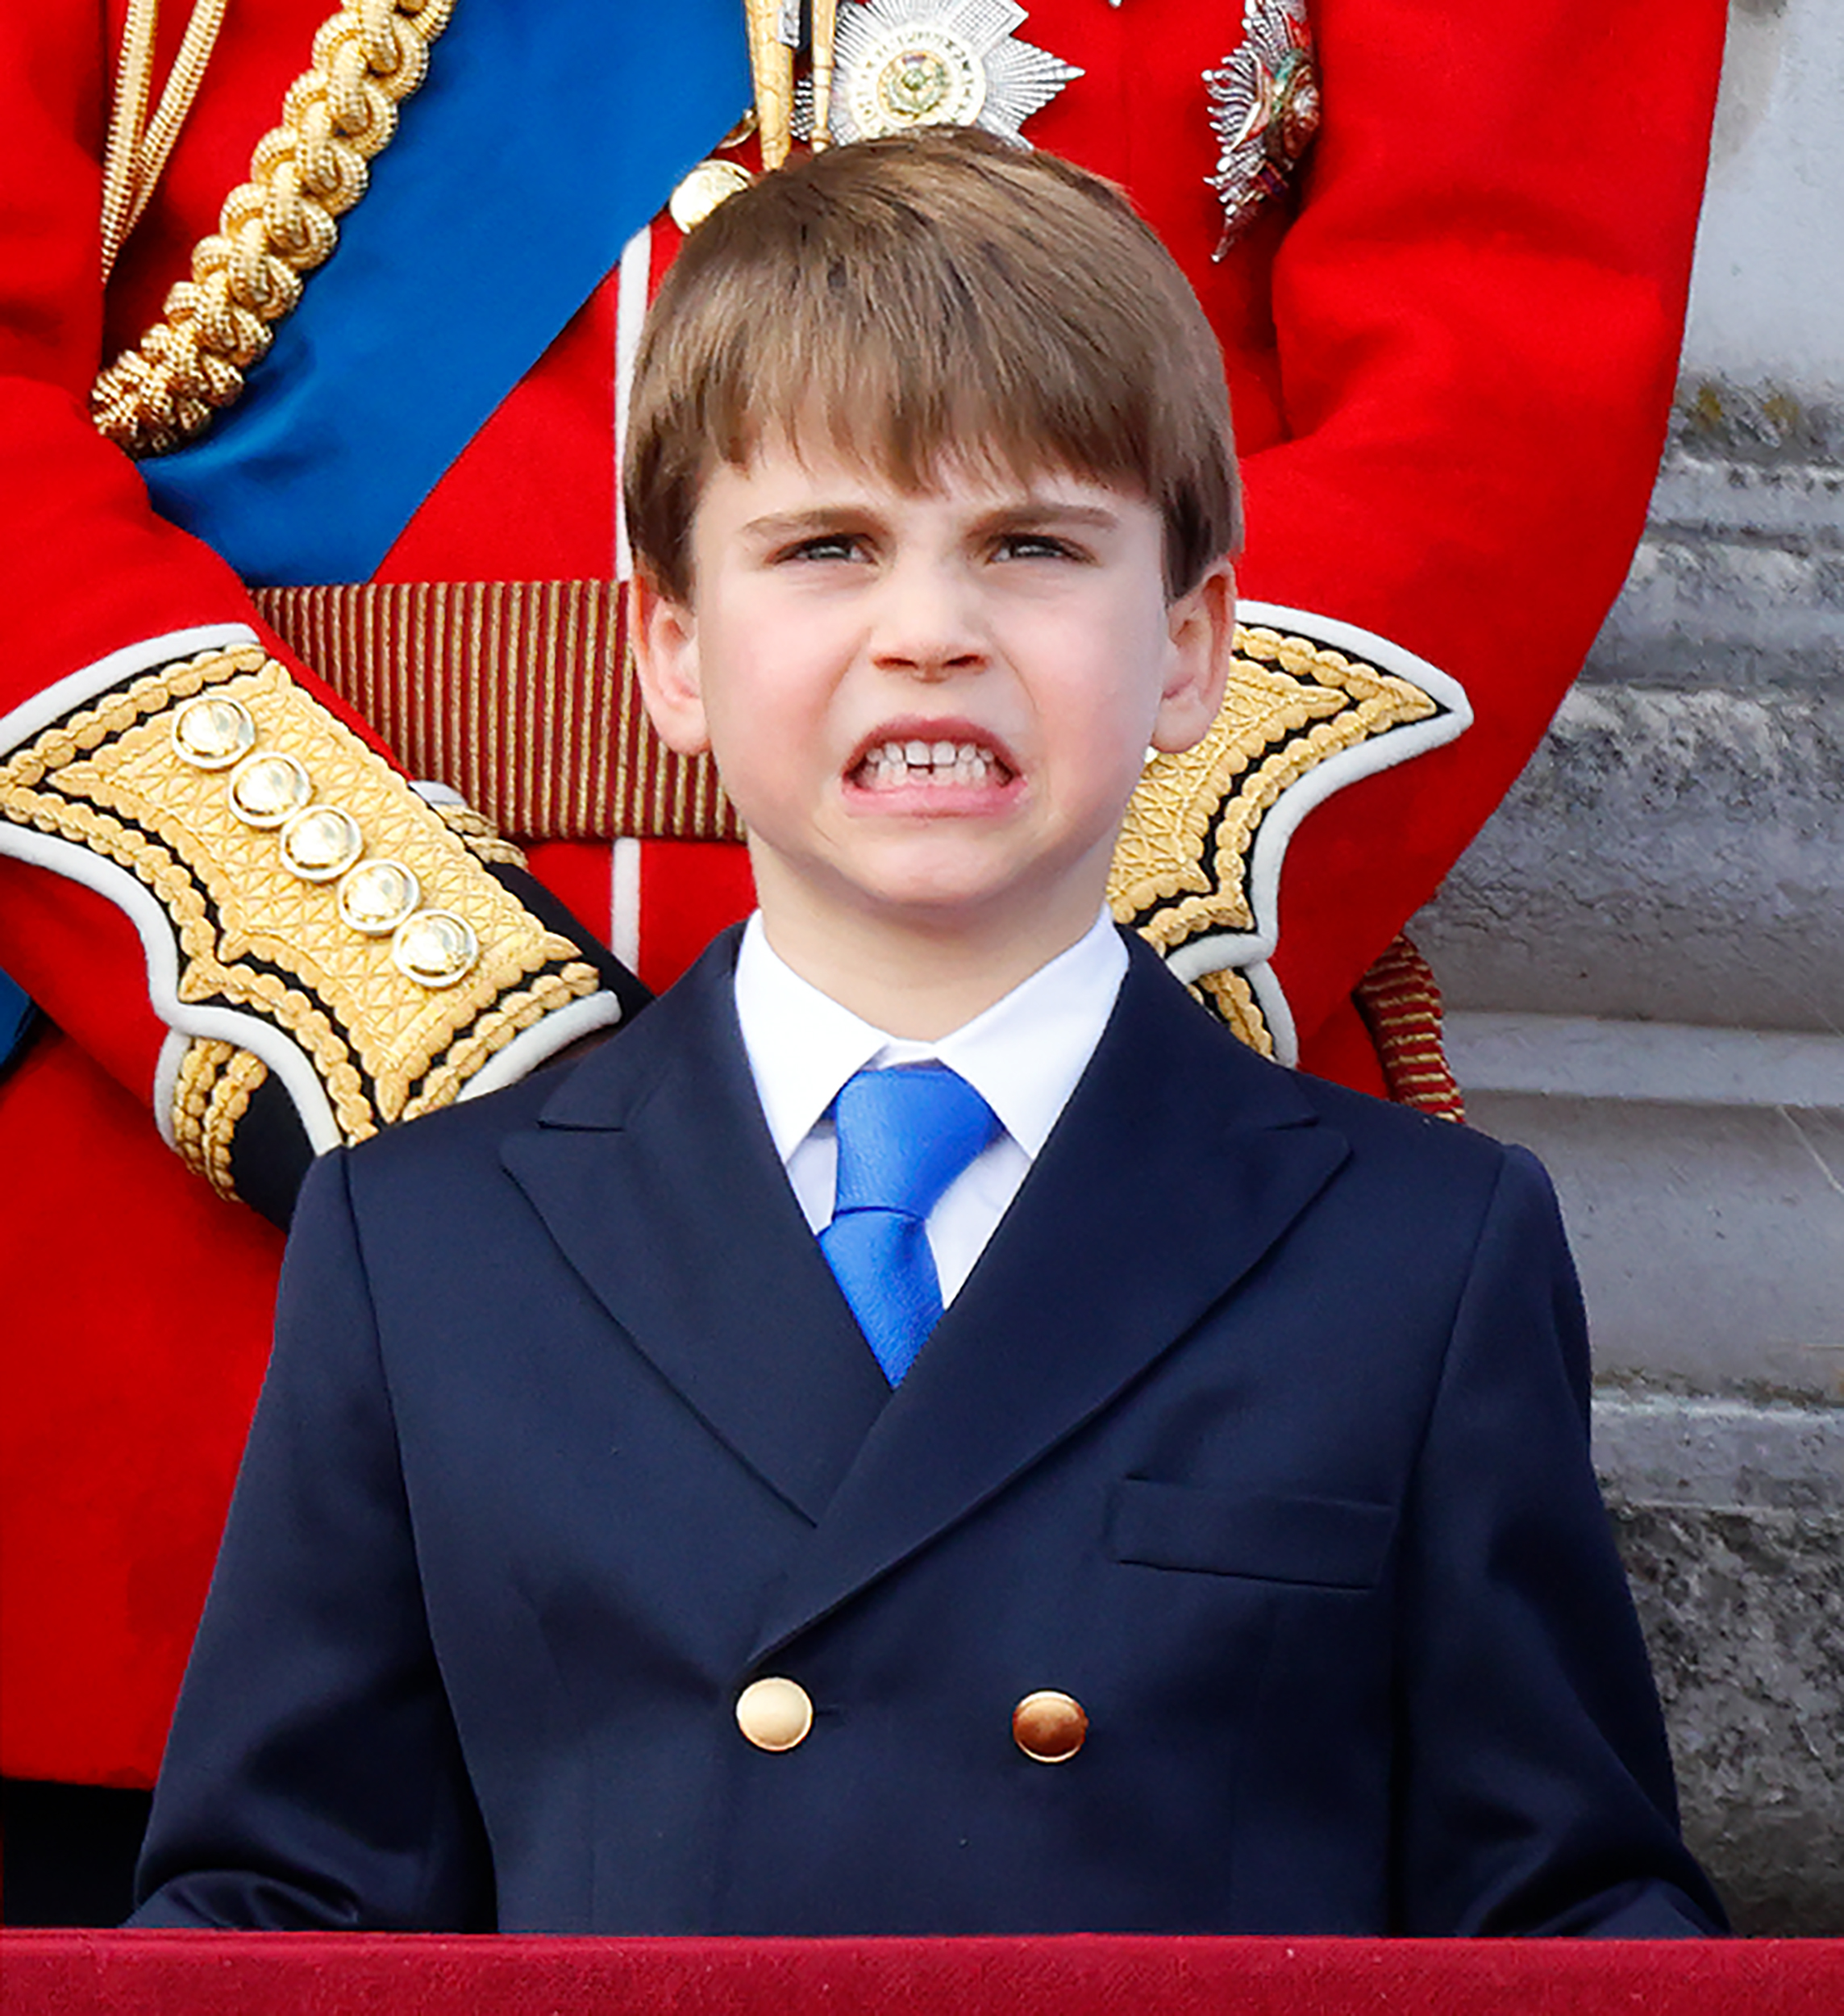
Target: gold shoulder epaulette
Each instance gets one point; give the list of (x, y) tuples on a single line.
[(1311, 705), (305, 912)]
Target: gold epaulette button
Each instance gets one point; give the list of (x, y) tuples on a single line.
[(376, 896), (434, 947), (267, 790), (211, 732), (320, 843)]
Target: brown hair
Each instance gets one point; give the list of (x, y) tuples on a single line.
[(935, 296)]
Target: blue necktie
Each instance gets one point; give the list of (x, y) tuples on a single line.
[(904, 1135)]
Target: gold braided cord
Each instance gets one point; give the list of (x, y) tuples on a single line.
[(274, 228), (512, 1014), (127, 117), (1183, 866), (192, 1088), (138, 152), (1229, 996), (480, 837), (211, 1095)]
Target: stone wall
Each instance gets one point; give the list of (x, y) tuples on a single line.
[(1643, 956)]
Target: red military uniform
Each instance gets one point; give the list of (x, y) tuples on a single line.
[(1450, 344)]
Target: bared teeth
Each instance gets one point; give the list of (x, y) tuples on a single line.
[(893, 763)]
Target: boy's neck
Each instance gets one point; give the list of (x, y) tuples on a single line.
[(903, 977)]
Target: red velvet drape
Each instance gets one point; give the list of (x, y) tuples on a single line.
[(301, 1974)]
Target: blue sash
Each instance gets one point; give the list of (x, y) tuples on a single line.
[(15, 1017), (544, 138)]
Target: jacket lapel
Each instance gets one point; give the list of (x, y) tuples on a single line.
[(1178, 1163), (652, 1168)]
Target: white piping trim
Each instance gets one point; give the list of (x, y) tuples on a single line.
[(534, 1047), (1250, 950), (51, 703), (166, 1084), (636, 270), (624, 902), (1380, 652), (1276, 1011), (283, 1055)]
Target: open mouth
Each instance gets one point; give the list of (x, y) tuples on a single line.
[(902, 763)]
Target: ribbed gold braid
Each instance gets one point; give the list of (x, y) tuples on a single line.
[(212, 1094), (274, 228), (242, 1074), (198, 1071), (478, 836), (127, 121), (1228, 995), (138, 152)]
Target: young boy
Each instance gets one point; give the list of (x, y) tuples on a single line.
[(614, 1554)]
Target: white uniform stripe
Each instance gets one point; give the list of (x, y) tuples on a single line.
[(630, 312), (624, 902)]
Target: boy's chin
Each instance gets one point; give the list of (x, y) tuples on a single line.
[(966, 903)]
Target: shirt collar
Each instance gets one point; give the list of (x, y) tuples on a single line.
[(1023, 1054)]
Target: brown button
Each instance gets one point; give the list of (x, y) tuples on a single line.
[(774, 1714), (1049, 1727)]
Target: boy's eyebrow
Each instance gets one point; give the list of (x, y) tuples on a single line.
[(773, 525), (1038, 510)]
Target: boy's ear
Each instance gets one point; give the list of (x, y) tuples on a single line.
[(665, 639), (1201, 626)]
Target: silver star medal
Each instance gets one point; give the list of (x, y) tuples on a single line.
[(1264, 110), (905, 63)]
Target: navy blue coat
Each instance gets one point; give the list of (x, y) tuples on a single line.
[(1259, 1428)]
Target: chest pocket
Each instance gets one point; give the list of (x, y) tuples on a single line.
[(1328, 1543)]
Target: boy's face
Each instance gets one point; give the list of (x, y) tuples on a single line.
[(930, 709)]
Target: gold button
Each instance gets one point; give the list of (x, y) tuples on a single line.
[(709, 184), (774, 1714), (1049, 1727), (213, 732), (266, 790), (376, 896), (320, 843), (434, 947)]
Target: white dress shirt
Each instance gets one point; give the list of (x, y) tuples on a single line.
[(1022, 1056)]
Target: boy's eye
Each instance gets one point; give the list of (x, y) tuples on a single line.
[(1035, 546), (825, 546)]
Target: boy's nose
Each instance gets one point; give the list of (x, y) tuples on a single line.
[(927, 626)]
